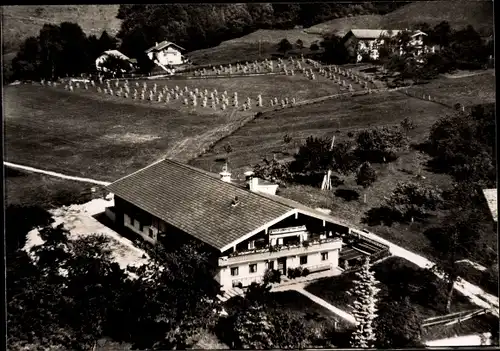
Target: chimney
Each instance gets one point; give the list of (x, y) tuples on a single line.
[(156, 43), (225, 175), (254, 184), (235, 202)]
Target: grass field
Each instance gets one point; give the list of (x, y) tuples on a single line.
[(263, 137), (23, 188), (63, 132), (467, 91)]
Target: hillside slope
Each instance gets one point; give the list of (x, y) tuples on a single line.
[(458, 13), (21, 22)]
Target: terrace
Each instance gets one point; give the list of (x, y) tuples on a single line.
[(276, 251)]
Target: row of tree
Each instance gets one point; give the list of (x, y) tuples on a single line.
[(59, 51)]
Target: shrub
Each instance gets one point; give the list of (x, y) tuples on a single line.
[(347, 194), (272, 276), (305, 272), (305, 243)]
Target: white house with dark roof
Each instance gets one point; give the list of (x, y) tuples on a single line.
[(248, 232), (116, 54), (166, 53), (360, 42)]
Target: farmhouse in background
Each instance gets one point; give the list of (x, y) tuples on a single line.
[(244, 232), (114, 54), (361, 42), (166, 54)]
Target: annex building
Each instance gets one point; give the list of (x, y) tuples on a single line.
[(247, 231)]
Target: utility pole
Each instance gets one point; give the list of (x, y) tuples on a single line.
[(259, 48)]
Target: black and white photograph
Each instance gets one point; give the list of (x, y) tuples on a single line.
[(281, 175)]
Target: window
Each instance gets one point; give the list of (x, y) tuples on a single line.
[(253, 268), (303, 259), (324, 256), (270, 265), (251, 244), (141, 227), (126, 219), (150, 232), (234, 271)]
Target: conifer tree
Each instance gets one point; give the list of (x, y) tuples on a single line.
[(364, 307)]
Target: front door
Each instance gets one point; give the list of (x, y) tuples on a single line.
[(282, 265)]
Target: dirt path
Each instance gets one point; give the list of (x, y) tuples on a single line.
[(342, 314), (55, 174)]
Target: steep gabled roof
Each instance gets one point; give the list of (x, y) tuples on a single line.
[(377, 33), (199, 203), (117, 54), (164, 44)]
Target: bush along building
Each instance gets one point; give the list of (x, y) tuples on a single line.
[(245, 231)]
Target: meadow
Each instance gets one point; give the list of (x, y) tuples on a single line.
[(56, 130), (263, 137), (467, 91)]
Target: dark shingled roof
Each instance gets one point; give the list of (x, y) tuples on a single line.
[(197, 202)]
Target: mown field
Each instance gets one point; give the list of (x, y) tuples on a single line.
[(60, 131), (32, 189), (467, 91)]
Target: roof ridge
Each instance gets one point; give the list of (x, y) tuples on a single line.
[(201, 171), (139, 170)]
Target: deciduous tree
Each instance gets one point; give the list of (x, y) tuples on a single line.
[(366, 175)]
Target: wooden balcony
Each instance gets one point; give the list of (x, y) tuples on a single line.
[(269, 253)]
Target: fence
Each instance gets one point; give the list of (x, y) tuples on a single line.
[(453, 318)]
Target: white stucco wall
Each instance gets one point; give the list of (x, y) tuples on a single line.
[(244, 276), (167, 56)]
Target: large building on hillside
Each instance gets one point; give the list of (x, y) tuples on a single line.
[(246, 231), (166, 54), (366, 42)]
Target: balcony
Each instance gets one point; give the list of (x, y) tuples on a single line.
[(277, 251)]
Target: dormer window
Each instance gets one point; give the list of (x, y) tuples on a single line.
[(251, 244)]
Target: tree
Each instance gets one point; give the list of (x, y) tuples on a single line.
[(397, 324), (364, 307), (366, 175), (273, 170), (314, 47), (313, 156), (253, 328), (289, 331), (344, 158), (411, 200), (284, 46), (300, 44), (456, 239), (407, 125), (334, 50), (381, 144)]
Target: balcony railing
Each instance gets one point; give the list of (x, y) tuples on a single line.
[(277, 251)]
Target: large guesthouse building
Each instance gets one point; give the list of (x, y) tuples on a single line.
[(247, 231)]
